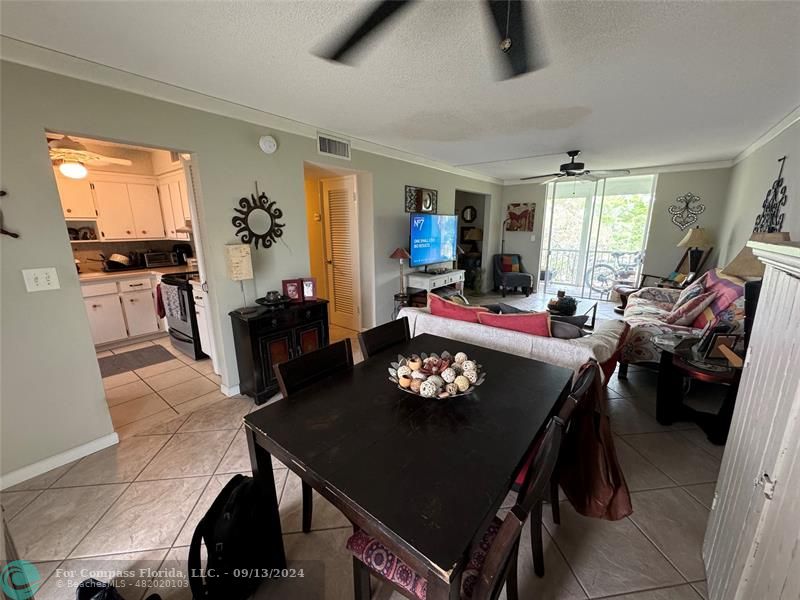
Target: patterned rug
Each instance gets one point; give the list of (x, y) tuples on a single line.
[(135, 359)]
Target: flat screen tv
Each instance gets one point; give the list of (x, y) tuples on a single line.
[(433, 238)]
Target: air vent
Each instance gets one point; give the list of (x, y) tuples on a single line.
[(331, 146)]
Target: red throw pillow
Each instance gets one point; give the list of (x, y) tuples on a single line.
[(450, 310), (537, 323)]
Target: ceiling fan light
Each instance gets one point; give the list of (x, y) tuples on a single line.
[(73, 169)]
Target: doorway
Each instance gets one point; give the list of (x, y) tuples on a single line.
[(332, 217), (472, 211), (595, 233)]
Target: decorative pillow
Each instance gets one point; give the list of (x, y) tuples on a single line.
[(688, 311), (565, 331), (510, 263), (532, 323), (577, 320), (728, 289), (450, 310), (690, 292)]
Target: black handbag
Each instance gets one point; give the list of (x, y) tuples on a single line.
[(92, 589)]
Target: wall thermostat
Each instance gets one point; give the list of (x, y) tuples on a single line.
[(268, 144)]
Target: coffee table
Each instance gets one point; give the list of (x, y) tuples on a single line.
[(584, 308)]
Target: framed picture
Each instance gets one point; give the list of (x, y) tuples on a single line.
[(520, 216), (421, 200), (717, 341), (293, 289), (469, 214), (309, 288)]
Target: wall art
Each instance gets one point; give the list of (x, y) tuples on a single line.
[(771, 218), (257, 220), (685, 210), (520, 216), (421, 200)]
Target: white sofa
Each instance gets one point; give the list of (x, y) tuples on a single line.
[(602, 345)]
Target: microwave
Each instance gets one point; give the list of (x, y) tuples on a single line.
[(160, 259)]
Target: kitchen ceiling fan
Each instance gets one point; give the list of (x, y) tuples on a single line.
[(576, 170), (508, 16), (71, 157)]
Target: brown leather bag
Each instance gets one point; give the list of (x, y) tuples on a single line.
[(588, 469)]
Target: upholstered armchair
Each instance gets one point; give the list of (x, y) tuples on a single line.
[(510, 273)]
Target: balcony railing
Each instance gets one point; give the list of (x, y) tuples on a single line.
[(595, 277)]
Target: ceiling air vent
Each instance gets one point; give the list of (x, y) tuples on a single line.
[(331, 146)]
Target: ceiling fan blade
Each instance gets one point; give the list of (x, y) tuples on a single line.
[(611, 173), (99, 158), (510, 18), (550, 176), (377, 17)]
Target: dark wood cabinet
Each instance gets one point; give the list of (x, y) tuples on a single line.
[(268, 337)]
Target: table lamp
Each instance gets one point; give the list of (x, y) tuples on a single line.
[(745, 264), (401, 254), (697, 241)]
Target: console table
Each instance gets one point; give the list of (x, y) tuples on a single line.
[(267, 337), (432, 281)]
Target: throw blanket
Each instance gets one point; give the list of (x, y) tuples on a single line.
[(588, 469), (171, 296)]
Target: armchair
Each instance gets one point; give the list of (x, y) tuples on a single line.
[(505, 280)]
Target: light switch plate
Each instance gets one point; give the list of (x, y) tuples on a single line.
[(40, 280)]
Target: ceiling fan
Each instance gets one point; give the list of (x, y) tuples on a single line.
[(71, 157), (576, 170), (508, 16)]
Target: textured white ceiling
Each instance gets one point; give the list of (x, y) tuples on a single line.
[(632, 84)]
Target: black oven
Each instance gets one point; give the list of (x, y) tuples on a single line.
[(176, 293)]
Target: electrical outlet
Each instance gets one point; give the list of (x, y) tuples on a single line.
[(40, 280)]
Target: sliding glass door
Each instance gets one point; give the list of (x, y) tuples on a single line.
[(595, 234)]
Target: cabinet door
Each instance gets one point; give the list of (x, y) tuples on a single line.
[(309, 337), (177, 208), (140, 312), (166, 210), (146, 210), (105, 318), (275, 349), (114, 208), (76, 197)]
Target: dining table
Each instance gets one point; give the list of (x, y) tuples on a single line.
[(425, 476)]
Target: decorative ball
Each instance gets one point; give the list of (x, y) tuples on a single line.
[(449, 375), (451, 388), (462, 383), (457, 368), (403, 370), (428, 389), (415, 385), (436, 380), (419, 375), (414, 363), (405, 381), (472, 376), (460, 357), (444, 395), (469, 365)]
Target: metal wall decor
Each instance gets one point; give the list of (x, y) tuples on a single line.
[(771, 218), (685, 210), (421, 200), (257, 220)]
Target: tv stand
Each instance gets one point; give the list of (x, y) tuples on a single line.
[(432, 281)]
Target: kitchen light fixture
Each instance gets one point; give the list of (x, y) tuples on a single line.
[(73, 169)]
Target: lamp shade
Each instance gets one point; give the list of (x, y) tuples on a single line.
[(745, 264), (400, 253), (474, 235), (696, 238)]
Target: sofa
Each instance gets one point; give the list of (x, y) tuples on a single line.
[(647, 309), (603, 344)]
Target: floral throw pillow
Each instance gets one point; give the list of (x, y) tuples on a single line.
[(688, 311), (690, 292)]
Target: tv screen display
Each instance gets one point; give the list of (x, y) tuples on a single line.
[(433, 238)]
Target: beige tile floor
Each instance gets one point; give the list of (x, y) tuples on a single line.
[(538, 301), (135, 505)]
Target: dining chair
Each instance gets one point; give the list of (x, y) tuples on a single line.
[(383, 336), (306, 369), (577, 395), (492, 559)]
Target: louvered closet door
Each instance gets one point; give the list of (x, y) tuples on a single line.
[(341, 246)]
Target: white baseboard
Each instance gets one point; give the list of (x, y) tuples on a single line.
[(53, 462), (229, 390)]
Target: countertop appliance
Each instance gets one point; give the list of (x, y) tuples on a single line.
[(176, 293), (160, 259)]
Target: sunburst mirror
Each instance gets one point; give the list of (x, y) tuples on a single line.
[(256, 220)]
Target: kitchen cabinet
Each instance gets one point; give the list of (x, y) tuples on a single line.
[(146, 209), (114, 211), (77, 200), (140, 312), (106, 319), (174, 204)]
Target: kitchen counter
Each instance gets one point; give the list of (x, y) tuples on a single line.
[(115, 275)]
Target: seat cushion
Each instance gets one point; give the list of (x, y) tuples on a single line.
[(510, 263), (380, 559)]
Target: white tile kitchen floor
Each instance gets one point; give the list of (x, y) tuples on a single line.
[(136, 504)]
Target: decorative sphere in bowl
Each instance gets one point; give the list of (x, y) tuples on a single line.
[(462, 383)]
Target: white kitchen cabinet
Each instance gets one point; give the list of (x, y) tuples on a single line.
[(166, 211), (146, 209), (106, 319), (114, 211), (174, 204), (140, 312), (77, 200)]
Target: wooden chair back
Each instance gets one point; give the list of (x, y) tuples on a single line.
[(580, 389), (502, 554), (383, 336), (300, 372)]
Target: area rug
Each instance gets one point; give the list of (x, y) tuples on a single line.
[(135, 359)]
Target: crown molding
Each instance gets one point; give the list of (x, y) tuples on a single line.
[(46, 59), (777, 129)]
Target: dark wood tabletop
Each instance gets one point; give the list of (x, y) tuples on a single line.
[(429, 473)]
